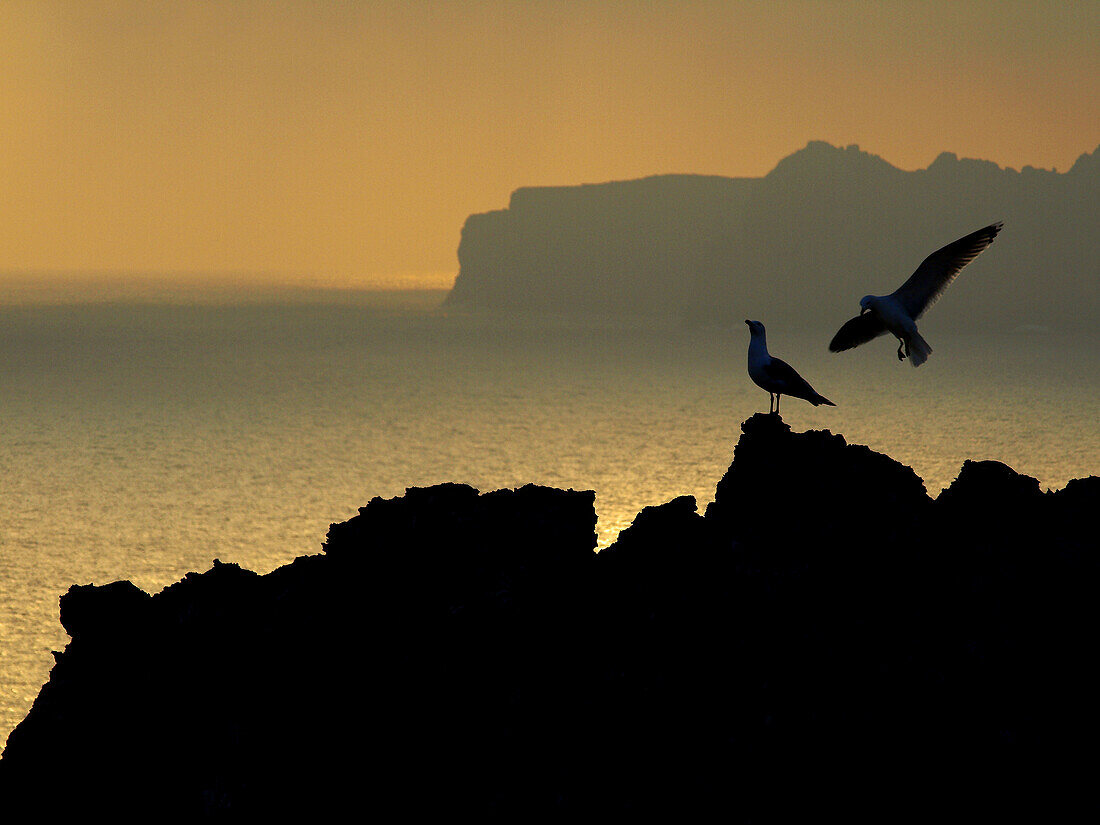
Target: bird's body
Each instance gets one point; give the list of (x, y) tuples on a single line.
[(897, 313), (776, 375), (890, 313)]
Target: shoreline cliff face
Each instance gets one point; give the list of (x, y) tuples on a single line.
[(826, 638), (826, 225), (628, 247)]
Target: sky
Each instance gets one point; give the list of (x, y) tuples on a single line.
[(346, 142)]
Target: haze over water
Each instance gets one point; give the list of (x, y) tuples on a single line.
[(141, 441)]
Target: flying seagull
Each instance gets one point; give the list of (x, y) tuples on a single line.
[(776, 376), (897, 313)]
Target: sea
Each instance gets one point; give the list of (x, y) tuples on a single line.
[(142, 439)]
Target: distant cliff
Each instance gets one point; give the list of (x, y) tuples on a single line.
[(823, 228), (826, 641)]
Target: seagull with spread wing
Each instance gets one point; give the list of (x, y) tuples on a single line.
[(777, 376), (897, 313)]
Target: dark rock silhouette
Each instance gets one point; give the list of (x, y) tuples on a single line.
[(825, 641), (827, 224), (813, 489)]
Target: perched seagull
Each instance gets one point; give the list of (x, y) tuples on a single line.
[(898, 312), (776, 376)]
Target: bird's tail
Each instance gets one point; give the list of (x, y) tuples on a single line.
[(919, 350), (821, 399)]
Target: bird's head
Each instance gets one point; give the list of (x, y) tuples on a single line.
[(755, 327), (865, 303)]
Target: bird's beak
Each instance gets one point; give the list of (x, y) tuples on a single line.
[(864, 309)]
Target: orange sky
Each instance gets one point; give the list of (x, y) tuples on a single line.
[(350, 140)]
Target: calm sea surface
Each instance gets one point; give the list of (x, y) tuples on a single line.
[(142, 441)]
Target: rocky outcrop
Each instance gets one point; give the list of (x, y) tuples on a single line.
[(827, 224), (826, 640)]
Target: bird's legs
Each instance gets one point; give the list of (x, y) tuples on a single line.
[(901, 343), (777, 397)]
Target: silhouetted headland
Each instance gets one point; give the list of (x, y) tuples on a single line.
[(827, 225), (826, 640)]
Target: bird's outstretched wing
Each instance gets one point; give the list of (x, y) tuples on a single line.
[(935, 274), (858, 330)]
